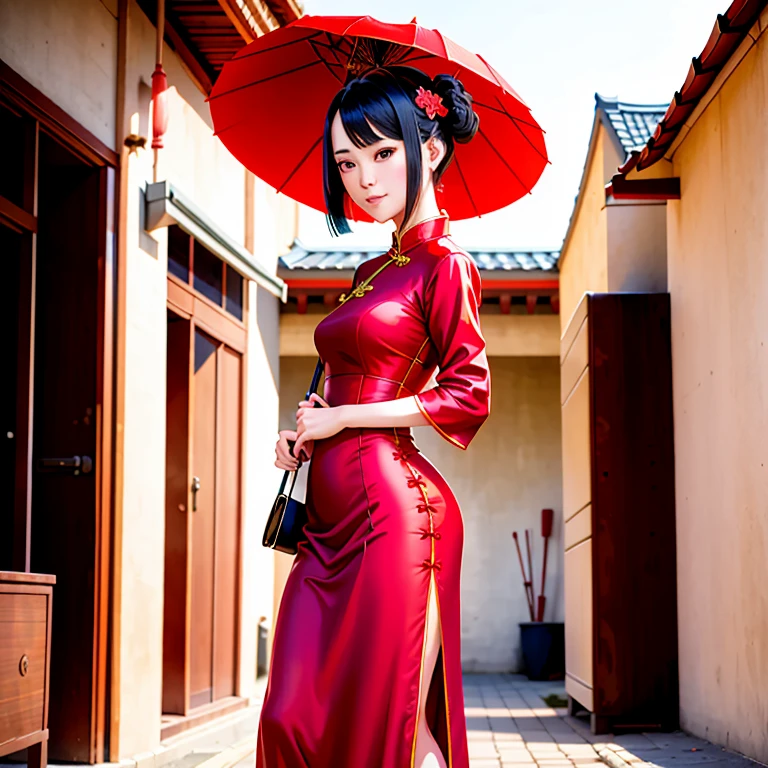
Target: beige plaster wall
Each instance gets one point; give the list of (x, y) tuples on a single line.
[(718, 278), (515, 335), (617, 246), (511, 471), (137, 650), (197, 163), (584, 261), (637, 247), (68, 50)]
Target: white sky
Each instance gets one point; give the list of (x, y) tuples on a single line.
[(556, 55)]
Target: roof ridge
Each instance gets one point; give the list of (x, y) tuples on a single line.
[(613, 102)]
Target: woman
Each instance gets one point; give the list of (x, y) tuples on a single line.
[(366, 664)]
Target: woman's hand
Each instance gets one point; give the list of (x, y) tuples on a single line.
[(285, 459), (316, 423)]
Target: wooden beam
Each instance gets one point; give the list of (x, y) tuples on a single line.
[(32, 101), (18, 218), (622, 188), (191, 63)]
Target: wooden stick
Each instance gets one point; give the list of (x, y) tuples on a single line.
[(528, 537), (526, 583)]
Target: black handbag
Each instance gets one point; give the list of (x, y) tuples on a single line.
[(285, 525)]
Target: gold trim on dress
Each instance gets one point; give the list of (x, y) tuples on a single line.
[(399, 235), (433, 566), (410, 368), (436, 425), (445, 680), (362, 288), (421, 675)]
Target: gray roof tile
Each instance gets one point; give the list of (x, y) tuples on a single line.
[(489, 260), (632, 124)]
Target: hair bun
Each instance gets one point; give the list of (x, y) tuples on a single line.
[(462, 121)]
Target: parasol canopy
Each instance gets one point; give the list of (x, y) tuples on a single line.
[(270, 101)]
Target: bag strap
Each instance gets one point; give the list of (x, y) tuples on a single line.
[(314, 384)]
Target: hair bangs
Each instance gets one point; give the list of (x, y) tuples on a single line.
[(362, 118)]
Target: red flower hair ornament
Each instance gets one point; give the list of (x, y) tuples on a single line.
[(431, 103)]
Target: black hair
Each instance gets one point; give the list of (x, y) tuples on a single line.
[(385, 99)]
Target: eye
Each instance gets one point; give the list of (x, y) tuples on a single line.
[(345, 165), (385, 154)]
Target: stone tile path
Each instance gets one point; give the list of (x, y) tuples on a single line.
[(510, 726)]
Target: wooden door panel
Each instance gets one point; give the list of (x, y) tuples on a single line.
[(577, 454), (203, 519), (227, 522), (575, 361), (578, 613), (177, 517)]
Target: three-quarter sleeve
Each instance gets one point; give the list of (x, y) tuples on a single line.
[(461, 401)]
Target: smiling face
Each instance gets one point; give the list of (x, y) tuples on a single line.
[(375, 177)]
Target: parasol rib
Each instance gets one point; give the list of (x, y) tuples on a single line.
[(502, 111), (503, 160), (264, 80), (328, 66), (300, 163), (466, 186)]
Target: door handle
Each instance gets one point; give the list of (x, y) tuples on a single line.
[(195, 489), (75, 465)]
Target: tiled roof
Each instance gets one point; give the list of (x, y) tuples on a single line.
[(628, 125), (488, 260), (631, 124), (727, 34)]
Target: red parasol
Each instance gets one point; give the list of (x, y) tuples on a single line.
[(270, 101)]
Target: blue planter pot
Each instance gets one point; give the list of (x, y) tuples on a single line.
[(543, 649)]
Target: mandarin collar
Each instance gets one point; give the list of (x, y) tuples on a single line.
[(428, 229)]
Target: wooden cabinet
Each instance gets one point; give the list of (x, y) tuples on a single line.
[(619, 511), (25, 638)]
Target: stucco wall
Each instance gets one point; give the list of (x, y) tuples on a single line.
[(517, 334), (68, 50), (511, 471), (718, 278), (637, 247), (199, 166), (584, 262), (617, 246)]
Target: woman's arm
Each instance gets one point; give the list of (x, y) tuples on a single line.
[(318, 423), (403, 412), (460, 403)]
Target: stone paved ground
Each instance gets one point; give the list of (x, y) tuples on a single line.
[(510, 726)]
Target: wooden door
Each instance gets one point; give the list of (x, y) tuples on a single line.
[(57, 185), (66, 401), (202, 554), (11, 250)]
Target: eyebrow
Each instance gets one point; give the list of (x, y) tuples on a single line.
[(341, 151)]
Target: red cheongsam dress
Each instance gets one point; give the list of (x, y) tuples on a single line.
[(384, 526)]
